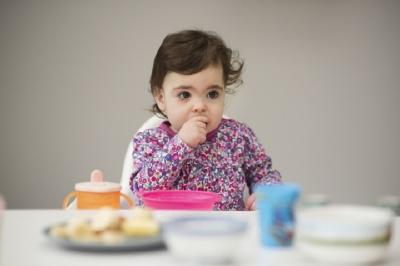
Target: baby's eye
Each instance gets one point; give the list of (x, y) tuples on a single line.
[(184, 95), (213, 94)]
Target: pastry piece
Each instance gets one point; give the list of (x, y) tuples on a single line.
[(59, 231), (106, 219), (140, 223), (79, 229), (141, 214), (140, 227)]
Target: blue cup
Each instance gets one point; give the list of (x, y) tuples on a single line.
[(275, 204)]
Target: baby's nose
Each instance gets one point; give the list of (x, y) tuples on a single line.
[(199, 106)]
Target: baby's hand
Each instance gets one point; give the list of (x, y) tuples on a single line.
[(251, 203), (194, 131)]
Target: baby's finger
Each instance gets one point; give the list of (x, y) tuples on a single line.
[(250, 202), (253, 206), (200, 118), (201, 124), (203, 131)]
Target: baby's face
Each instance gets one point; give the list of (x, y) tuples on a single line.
[(185, 96)]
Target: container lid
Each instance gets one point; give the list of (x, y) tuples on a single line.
[(97, 184), (206, 226)]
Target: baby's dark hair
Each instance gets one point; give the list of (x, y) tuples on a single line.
[(191, 51)]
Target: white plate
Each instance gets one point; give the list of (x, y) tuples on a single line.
[(129, 244)]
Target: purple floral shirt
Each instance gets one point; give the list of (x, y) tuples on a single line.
[(230, 159)]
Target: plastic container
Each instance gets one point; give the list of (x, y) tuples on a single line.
[(276, 213), (179, 199), (97, 194), (344, 234), (205, 239)]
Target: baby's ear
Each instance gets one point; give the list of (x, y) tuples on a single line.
[(160, 99)]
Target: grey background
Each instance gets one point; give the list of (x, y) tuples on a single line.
[(321, 89)]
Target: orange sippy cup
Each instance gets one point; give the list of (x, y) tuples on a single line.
[(97, 194)]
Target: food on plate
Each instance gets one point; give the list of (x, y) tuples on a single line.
[(106, 220), (108, 227), (141, 223)]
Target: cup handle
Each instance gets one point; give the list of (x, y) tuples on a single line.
[(128, 200), (68, 198)]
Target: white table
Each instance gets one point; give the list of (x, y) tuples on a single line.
[(23, 243)]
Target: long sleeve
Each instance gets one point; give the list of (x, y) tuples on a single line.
[(257, 164), (157, 160)]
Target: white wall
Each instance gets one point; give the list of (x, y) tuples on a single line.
[(321, 89)]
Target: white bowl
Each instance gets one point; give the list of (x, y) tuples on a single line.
[(204, 239), (344, 233)]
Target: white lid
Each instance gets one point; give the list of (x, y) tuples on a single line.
[(97, 184)]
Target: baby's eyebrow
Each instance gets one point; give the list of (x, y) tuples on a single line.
[(184, 87), (215, 87)]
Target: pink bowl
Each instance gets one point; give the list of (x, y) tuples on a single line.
[(180, 199)]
